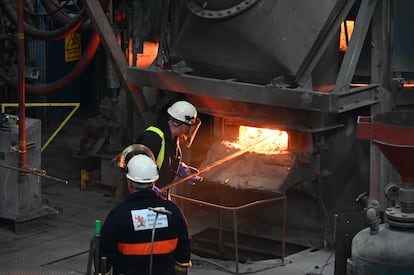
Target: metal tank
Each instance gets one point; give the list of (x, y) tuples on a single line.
[(20, 193), (387, 248), (387, 253)]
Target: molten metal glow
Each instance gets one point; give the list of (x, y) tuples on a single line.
[(347, 29), (276, 140), (130, 53), (408, 85), (149, 54)]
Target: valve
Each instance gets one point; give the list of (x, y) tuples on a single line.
[(371, 208)]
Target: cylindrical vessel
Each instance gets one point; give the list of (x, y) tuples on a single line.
[(390, 252)]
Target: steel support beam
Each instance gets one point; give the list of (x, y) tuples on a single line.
[(331, 30), (353, 53), (113, 50), (298, 98)]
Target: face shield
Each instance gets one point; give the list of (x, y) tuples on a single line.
[(192, 132), (122, 158)]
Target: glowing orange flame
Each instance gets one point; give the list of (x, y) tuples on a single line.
[(148, 56), (276, 140), (347, 28), (141, 60), (130, 53)]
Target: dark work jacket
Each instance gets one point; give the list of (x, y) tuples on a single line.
[(172, 155), (118, 234)]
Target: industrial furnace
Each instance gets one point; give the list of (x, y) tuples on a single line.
[(305, 70), (251, 65)]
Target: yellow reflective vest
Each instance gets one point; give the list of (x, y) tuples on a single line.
[(161, 154)]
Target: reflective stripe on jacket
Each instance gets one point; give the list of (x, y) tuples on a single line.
[(160, 247), (161, 154)]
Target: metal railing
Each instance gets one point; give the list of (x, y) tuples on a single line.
[(233, 210)]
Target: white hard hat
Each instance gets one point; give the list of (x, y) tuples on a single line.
[(184, 112), (142, 169)]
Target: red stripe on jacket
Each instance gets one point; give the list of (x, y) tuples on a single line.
[(160, 247)]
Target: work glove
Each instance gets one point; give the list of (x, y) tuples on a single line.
[(162, 194), (184, 171)]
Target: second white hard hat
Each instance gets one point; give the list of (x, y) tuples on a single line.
[(142, 169)]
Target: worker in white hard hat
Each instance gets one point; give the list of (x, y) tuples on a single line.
[(181, 121), (145, 234)]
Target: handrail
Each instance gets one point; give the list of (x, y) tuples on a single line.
[(50, 104), (233, 209)]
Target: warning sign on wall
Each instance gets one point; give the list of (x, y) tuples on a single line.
[(73, 49)]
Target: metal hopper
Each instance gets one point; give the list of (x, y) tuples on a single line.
[(393, 133)]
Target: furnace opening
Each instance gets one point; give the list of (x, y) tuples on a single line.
[(260, 140)]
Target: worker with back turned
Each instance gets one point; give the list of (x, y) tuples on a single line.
[(145, 234)]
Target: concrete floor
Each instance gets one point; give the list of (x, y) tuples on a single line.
[(59, 242)]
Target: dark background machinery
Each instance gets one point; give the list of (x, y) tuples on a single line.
[(310, 69)]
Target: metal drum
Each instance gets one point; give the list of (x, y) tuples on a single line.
[(389, 252)]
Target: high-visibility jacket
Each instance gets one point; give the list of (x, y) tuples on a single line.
[(161, 152), (127, 232), (166, 150)]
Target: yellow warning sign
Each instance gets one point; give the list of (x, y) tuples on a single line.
[(73, 49)]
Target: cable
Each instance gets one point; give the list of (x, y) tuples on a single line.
[(48, 13), (157, 211), (326, 263), (152, 242), (56, 34), (55, 86)]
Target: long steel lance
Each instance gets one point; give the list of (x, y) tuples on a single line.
[(41, 174), (214, 164)]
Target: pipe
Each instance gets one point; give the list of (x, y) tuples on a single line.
[(56, 34), (21, 85), (60, 84), (53, 9), (42, 173), (97, 256)]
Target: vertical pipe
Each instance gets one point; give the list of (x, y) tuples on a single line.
[(22, 88), (236, 241), (381, 171), (97, 254), (220, 232), (102, 268), (91, 257), (284, 229)]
